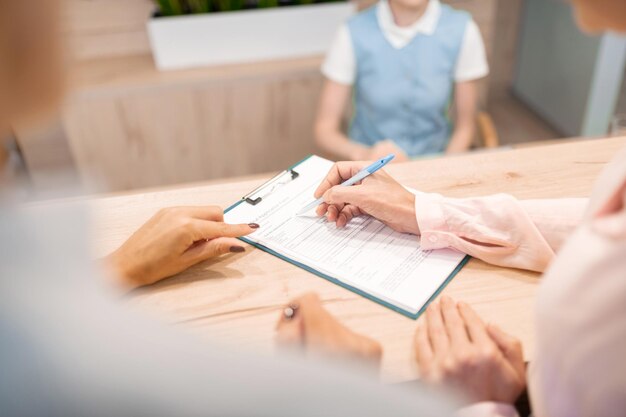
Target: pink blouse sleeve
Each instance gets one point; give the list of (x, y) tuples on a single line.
[(499, 229)]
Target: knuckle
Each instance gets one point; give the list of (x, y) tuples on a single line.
[(436, 330), (425, 369), (307, 301), (186, 224), (163, 211), (218, 248), (216, 212), (311, 297), (330, 195), (449, 366), (223, 229), (488, 354), (432, 375), (468, 361), (173, 211), (223, 247), (375, 350)]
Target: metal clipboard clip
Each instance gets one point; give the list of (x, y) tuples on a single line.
[(258, 194)]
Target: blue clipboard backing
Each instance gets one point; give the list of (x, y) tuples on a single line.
[(362, 293)]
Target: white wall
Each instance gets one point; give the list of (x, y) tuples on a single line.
[(571, 79)]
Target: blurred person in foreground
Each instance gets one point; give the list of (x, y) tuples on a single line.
[(405, 62), (579, 366), (68, 348)]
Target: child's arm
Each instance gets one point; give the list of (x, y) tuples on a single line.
[(465, 102), (328, 123)]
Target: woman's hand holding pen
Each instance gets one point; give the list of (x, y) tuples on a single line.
[(379, 195), (173, 240)]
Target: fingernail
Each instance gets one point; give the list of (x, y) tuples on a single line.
[(237, 249), (253, 225)]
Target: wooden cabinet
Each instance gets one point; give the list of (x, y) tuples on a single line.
[(166, 128)]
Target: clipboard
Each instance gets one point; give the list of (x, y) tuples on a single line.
[(291, 174)]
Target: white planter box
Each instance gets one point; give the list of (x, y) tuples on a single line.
[(245, 36)]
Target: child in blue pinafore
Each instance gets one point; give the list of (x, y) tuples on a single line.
[(403, 79)]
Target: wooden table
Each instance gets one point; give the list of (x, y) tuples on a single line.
[(237, 299)]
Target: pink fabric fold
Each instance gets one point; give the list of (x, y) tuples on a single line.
[(499, 229)]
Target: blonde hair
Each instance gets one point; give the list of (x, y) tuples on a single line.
[(30, 58)]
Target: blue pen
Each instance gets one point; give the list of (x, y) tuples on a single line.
[(362, 174)]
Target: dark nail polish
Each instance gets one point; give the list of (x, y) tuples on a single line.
[(237, 249), (253, 226)]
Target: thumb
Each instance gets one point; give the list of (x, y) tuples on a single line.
[(510, 347), (203, 229), (340, 195)]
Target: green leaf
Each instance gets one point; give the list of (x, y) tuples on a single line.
[(267, 3), (199, 6), (170, 7), (228, 5), (179, 7)]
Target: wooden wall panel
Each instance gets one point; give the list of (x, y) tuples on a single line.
[(201, 131), (505, 37), (621, 99), (106, 28)]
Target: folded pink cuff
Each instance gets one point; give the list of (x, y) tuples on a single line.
[(431, 220)]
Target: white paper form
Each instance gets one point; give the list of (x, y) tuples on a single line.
[(365, 254)]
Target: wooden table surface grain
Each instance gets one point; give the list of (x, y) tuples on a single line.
[(237, 299)]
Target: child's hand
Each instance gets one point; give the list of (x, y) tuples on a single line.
[(384, 148)]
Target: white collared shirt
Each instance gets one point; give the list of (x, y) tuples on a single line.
[(340, 63)]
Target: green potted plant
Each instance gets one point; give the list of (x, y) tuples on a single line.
[(182, 7), (191, 33)]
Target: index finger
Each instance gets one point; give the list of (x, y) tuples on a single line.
[(475, 326), (423, 349), (436, 330), (454, 323), (201, 229), (340, 172)]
